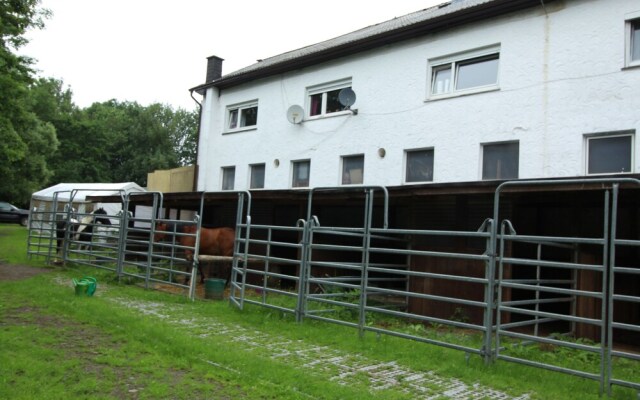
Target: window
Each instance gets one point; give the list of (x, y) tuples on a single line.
[(242, 116), (257, 176), (469, 72), (419, 166), (609, 154), (323, 99), (301, 173), (500, 160), (228, 178), (633, 42), (352, 170)]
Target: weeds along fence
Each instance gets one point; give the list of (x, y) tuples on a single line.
[(558, 302)]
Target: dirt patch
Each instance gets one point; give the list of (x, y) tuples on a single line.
[(18, 272)]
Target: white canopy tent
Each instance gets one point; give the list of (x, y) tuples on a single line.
[(42, 201)]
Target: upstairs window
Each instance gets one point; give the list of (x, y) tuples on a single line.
[(242, 116), (470, 72), (353, 170), (256, 180), (228, 178), (609, 154), (323, 99), (419, 166), (500, 160), (633, 42), (301, 173)]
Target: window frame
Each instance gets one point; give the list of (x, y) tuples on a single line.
[(324, 89), (253, 169), (239, 108), (453, 62), (483, 146), (343, 172), (294, 165), (609, 135), (223, 176), (631, 20), (407, 154)]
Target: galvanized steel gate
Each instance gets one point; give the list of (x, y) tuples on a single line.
[(356, 292), (589, 307), (371, 282)]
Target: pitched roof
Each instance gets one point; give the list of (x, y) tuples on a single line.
[(429, 20)]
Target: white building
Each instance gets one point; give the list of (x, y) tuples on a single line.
[(467, 91)]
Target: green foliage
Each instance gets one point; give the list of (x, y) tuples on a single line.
[(46, 139), (25, 140), (63, 346)]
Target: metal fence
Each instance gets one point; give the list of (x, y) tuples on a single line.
[(550, 294)]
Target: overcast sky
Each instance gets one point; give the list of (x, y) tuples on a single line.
[(155, 50)]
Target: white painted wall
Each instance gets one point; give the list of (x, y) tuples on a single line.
[(561, 76)]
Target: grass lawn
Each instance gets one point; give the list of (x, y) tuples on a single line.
[(130, 343)]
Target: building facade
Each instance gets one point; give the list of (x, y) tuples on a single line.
[(464, 92)]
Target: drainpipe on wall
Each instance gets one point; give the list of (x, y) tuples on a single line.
[(214, 71), (196, 168)]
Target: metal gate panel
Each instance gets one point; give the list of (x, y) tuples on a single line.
[(42, 234), (624, 305), (601, 296), (159, 257), (260, 276), (543, 290)]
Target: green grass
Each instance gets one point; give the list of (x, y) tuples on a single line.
[(58, 346)]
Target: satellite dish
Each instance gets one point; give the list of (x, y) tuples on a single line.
[(347, 97), (295, 114)]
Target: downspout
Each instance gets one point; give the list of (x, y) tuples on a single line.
[(196, 166)]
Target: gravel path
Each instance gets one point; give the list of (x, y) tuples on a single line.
[(345, 368)]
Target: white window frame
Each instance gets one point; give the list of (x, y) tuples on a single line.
[(406, 164), (294, 165), (609, 135), (453, 61), (223, 171), (483, 146), (343, 166), (239, 107), (630, 20), (324, 89), (253, 168)]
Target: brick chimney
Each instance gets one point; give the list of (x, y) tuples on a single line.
[(214, 68)]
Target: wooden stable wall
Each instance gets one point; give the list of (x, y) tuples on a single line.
[(171, 180)]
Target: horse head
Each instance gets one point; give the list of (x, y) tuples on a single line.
[(160, 234), (101, 220)]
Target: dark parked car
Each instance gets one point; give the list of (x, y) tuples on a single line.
[(11, 213)]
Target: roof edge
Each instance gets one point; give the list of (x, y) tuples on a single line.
[(460, 17)]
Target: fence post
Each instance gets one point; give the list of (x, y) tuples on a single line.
[(490, 292)]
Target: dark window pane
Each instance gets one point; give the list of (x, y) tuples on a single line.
[(249, 116), (635, 41), (228, 178), (478, 72), (352, 170), (500, 161), (419, 166), (316, 104), (301, 171), (333, 103), (257, 176), (610, 155)]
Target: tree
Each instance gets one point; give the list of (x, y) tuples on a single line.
[(25, 140), (134, 140)]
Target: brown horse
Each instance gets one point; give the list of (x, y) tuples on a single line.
[(213, 241)]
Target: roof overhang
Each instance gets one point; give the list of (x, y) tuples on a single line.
[(462, 16)]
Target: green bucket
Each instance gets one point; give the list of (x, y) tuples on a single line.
[(214, 289), (85, 286)]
